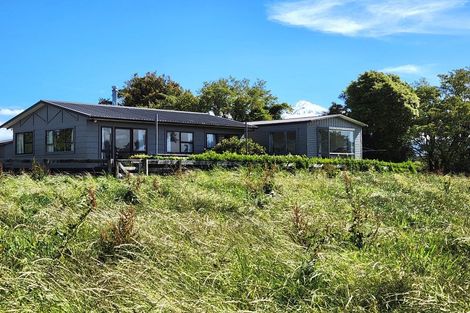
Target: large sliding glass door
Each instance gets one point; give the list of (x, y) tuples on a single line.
[(283, 142), (126, 141)]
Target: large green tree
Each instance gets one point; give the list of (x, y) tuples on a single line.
[(157, 91), (241, 100), (389, 106), (442, 132)]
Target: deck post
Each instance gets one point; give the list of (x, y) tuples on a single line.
[(146, 162), (109, 164), (116, 168)]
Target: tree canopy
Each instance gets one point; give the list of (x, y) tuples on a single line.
[(241, 100), (442, 132), (228, 97), (389, 106), (153, 91)]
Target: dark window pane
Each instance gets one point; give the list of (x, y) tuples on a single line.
[(186, 148), (123, 142), (28, 137), (211, 140), (186, 137), (106, 142), (291, 139), (323, 143), (139, 140), (173, 142), (28, 148), (278, 144), (106, 133)]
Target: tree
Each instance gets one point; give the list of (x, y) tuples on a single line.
[(151, 90), (105, 101), (442, 132), (425, 139), (241, 100), (389, 106), (336, 108)]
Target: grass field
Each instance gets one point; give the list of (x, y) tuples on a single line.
[(245, 240)]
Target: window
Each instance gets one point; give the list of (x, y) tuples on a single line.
[(123, 142), (335, 142), (283, 142), (139, 140), (179, 142), (323, 143), (24, 143), (106, 142), (129, 141), (60, 140), (211, 140), (278, 143), (341, 141)]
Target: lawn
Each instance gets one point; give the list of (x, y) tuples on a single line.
[(251, 239)]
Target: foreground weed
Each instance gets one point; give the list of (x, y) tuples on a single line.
[(38, 171), (72, 229), (360, 216), (118, 234)]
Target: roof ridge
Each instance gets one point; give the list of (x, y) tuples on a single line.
[(125, 107)]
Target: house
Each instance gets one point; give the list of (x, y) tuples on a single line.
[(316, 136), (77, 135), (57, 130)]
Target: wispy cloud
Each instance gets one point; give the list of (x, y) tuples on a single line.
[(404, 69), (374, 18), (10, 112)]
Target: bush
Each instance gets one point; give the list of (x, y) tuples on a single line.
[(239, 146), (303, 162), (117, 234)]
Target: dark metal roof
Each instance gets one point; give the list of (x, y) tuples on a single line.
[(111, 112), (308, 119)]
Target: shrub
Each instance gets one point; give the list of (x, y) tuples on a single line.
[(117, 234), (240, 146), (38, 172), (303, 162)]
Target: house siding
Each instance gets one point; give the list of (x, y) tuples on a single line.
[(261, 135), (6, 149), (50, 118)]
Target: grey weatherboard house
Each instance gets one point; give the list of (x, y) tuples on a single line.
[(57, 131)]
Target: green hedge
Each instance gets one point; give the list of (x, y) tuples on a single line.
[(301, 162)]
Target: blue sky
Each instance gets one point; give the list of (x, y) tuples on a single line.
[(305, 50)]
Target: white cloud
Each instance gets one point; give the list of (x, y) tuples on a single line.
[(5, 134), (374, 18), (404, 69), (304, 108), (10, 112)]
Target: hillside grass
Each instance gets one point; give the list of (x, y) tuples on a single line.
[(247, 240)]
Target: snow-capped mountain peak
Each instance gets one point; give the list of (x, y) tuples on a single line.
[(304, 108)]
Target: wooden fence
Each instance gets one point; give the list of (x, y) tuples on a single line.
[(126, 167)]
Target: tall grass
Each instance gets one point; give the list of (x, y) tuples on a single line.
[(254, 239)]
